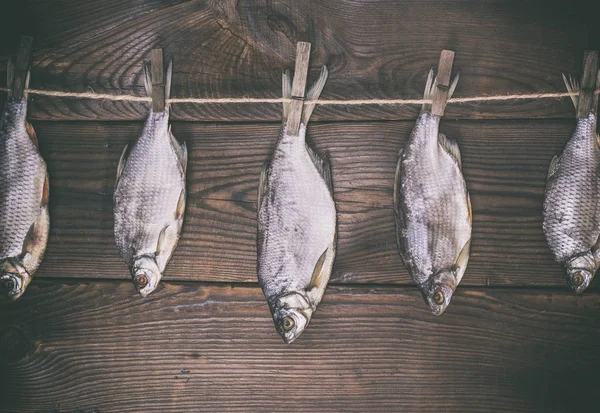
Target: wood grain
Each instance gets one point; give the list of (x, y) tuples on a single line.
[(211, 348), (505, 164), (375, 49)]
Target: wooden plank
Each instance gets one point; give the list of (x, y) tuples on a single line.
[(505, 164), (99, 347), (223, 50)]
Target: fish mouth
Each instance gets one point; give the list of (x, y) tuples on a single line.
[(290, 324), (580, 280), (10, 286), (438, 298)]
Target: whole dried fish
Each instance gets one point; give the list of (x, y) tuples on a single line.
[(572, 203), (432, 208), (296, 224), (149, 198), (24, 217)]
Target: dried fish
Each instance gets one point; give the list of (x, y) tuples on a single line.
[(572, 202), (432, 208), (24, 190), (149, 197), (296, 224)]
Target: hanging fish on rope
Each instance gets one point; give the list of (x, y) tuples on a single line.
[(24, 188), (296, 216), (150, 193), (431, 201), (572, 203)]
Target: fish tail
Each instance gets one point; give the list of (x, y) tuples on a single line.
[(313, 95), (147, 81), (428, 93), (168, 80), (286, 86), (430, 87), (572, 86)]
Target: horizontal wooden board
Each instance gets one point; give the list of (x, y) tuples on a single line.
[(93, 346), (375, 49), (505, 164)]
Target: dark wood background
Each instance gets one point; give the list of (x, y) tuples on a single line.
[(514, 339)]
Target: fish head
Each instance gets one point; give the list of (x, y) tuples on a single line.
[(146, 275), (13, 279), (291, 316), (580, 271), (438, 291)]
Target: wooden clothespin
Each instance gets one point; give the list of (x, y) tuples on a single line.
[(298, 87), (158, 81), (588, 84), (440, 94), (21, 67)]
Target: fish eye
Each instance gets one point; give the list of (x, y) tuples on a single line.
[(288, 323), (141, 280), (438, 297), (577, 279)]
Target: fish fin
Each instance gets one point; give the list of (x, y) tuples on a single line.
[(180, 150), (122, 162), (322, 268), (313, 94), (36, 239), (451, 147), (572, 86), (554, 165), (286, 92), (597, 139), (147, 81), (45, 192), (263, 183), (184, 156), (323, 165), (31, 133), (165, 246), (397, 178), (461, 262), (180, 205), (161, 244), (398, 218), (10, 73), (470, 208)]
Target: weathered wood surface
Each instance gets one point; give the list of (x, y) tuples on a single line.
[(505, 164), (377, 49), (213, 348)]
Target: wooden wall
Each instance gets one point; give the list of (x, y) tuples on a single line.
[(514, 339)]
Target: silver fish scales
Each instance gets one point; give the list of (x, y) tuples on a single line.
[(149, 198), (572, 201), (296, 225), (24, 191), (432, 208)]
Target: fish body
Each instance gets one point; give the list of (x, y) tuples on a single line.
[(296, 228), (432, 209), (149, 200), (572, 202), (24, 191)]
